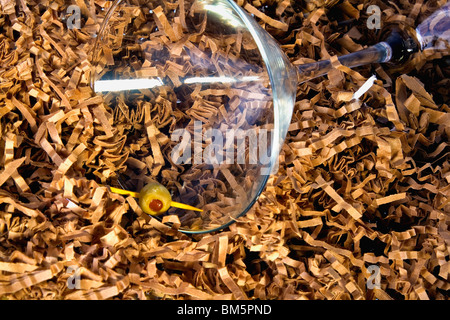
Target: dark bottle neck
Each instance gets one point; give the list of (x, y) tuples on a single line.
[(403, 45)]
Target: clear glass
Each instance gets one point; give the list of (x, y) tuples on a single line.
[(433, 34), (204, 96)]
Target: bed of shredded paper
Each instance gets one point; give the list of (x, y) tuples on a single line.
[(361, 183)]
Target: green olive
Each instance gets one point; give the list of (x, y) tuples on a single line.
[(154, 199)]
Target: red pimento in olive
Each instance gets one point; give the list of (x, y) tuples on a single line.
[(156, 205)]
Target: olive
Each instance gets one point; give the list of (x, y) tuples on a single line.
[(155, 199)]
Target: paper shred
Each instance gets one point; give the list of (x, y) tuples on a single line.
[(67, 163), (389, 199), (17, 267), (341, 203), (364, 88), (362, 184), (9, 169), (272, 22), (156, 149), (235, 289)]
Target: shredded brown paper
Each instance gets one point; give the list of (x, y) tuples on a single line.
[(359, 208)]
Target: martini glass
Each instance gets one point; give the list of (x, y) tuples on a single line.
[(205, 96)]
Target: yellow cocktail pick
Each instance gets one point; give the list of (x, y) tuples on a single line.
[(172, 203)]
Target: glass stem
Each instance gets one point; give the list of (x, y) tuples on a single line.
[(379, 53)]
